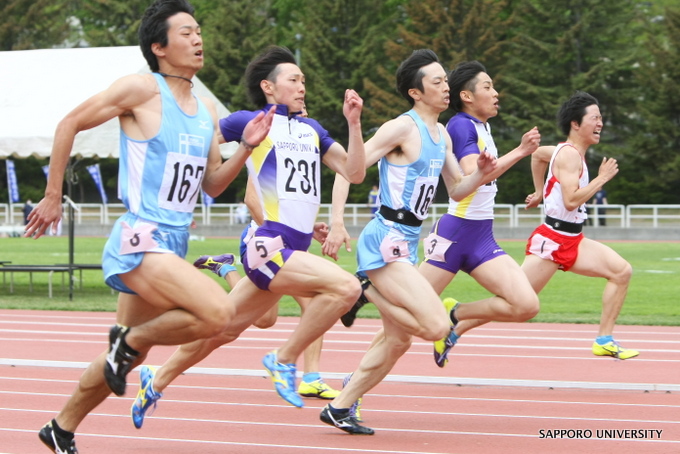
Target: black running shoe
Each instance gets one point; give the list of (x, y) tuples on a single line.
[(343, 420), (351, 315), (119, 360), (59, 445)]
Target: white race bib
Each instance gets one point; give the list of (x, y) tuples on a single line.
[(423, 195), (298, 173), (182, 179)]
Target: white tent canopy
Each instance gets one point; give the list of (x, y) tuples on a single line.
[(39, 87)]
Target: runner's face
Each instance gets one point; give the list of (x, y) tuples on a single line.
[(591, 125), (435, 87), (289, 87), (484, 98), (185, 44)]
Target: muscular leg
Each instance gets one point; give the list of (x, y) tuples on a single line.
[(250, 303), (232, 278), (268, 319), (439, 279), (91, 391), (408, 306), (191, 305), (598, 260), (514, 300), (389, 345), (312, 353), (92, 388), (539, 271), (166, 311), (332, 292), (402, 294)]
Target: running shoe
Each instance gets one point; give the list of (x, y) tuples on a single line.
[(355, 408), (146, 397), (613, 349), (443, 346), (59, 445), (208, 262), (343, 420), (351, 315), (283, 377), (317, 388), (119, 360)]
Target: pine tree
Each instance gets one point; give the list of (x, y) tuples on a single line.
[(652, 176), (109, 24), (558, 47), (234, 33), (33, 24)]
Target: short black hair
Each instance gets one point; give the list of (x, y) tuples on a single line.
[(463, 77), (574, 109), (410, 72), (265, 67), (154, 26)]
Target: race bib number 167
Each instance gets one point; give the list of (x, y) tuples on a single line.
[(181, 182)]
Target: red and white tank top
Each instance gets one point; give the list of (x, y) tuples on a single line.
[(552, 193)]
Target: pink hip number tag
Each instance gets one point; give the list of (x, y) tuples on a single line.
[(394, 248), (261, 249), (137, 239)]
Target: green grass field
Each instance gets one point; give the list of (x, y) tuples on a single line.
[(652, 296)]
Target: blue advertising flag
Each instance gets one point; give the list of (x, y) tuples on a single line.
[(207, 200), (95, 172), (12, 184)]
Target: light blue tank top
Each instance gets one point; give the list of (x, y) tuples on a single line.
[(412, 187), (159, 179)]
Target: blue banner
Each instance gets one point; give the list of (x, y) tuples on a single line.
[(207, 200), (12, 185), (46, 171), (97, 177)]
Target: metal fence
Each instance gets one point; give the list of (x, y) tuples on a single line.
[(507, 215)]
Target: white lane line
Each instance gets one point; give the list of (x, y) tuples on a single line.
[(555, 384)]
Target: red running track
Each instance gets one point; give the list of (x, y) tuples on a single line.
[(509, 388)]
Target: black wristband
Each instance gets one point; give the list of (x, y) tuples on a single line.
[(248, 146)]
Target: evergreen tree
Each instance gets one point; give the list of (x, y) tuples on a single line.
[(652, 176), (558, 47), (234, 33), (110, 24), (34, 24)]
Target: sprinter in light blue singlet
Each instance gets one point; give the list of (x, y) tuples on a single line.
[(169, 150), (158, 182), (407, 190), (413, 150)]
